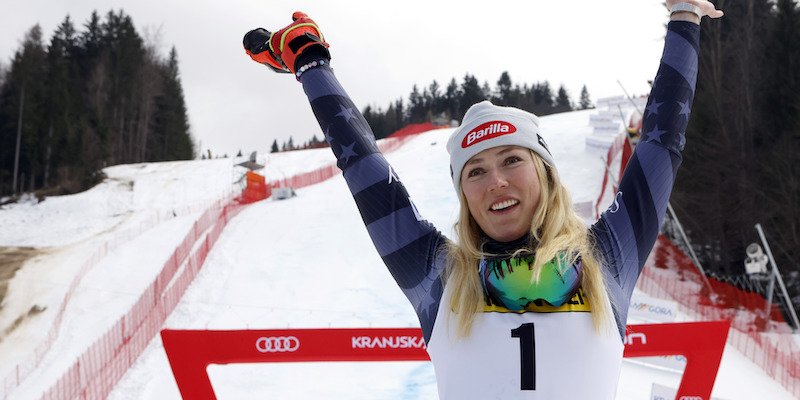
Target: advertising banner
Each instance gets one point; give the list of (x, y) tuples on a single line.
[(190, 352)]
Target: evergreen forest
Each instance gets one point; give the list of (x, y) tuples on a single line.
[(442, 105), (86, 99)]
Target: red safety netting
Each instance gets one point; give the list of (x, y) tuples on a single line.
[(25, 367), (99, 368), (758, 329), (257, 189), (412, 130)]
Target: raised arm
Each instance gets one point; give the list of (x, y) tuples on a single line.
[(627, 231), (407, 244)]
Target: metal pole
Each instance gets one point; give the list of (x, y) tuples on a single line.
[(19, 138), (689, 246), (610, 174), (685, 239), (630, 99), (777, 275), (770, 291)]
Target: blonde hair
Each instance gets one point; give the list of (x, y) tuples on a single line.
[(555, 229)]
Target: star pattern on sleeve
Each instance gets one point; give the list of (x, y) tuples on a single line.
[(653, 107), (655, 135), (686, 109), (347, 152), (673, 115), (345, 112), (328, 136)]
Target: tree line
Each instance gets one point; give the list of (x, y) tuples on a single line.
[(441, 105), (86, 100), (741, 164)]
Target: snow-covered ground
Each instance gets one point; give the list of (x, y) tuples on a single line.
[(305, 262)]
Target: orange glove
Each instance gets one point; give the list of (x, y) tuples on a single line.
[(280, 50), (256, 45)]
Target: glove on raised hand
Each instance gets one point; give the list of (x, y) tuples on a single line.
[(281, 50), (256, 45)]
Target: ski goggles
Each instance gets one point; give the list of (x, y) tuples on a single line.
[(510, 282)]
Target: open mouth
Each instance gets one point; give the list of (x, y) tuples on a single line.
[(503, 205)]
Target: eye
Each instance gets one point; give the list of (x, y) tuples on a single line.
[(512, 160), (474, 172)]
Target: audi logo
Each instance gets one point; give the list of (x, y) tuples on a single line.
[(278, 344), (691, 398)]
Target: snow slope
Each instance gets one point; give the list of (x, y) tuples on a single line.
[(305, 262)]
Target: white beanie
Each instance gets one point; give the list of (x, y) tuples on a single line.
[(485, 126)]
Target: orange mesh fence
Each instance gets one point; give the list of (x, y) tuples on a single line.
[(27, 365), (100, 367)]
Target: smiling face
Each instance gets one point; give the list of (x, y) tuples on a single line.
[(502, 189)]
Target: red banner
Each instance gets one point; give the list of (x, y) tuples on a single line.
[(190, 352)]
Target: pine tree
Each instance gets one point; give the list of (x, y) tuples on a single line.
[(21, 153), (452, 96), (437, 105), (563, 102), (585, 101), (63, 146), (416, 106), (471, 93), (171, 139), (542, 98), (274, 148)]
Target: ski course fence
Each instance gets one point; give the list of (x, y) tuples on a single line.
[(102, 365), (758, 329), (28, 364), (258, 189)]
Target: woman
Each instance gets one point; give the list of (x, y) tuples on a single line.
[(528, 303)]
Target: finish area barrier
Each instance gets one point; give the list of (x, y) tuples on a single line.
[(190, 352)]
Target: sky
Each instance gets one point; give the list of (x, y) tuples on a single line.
[(380, 51)]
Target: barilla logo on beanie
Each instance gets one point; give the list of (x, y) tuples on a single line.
[(486, 131)]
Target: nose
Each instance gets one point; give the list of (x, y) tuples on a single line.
[(497, 180)]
